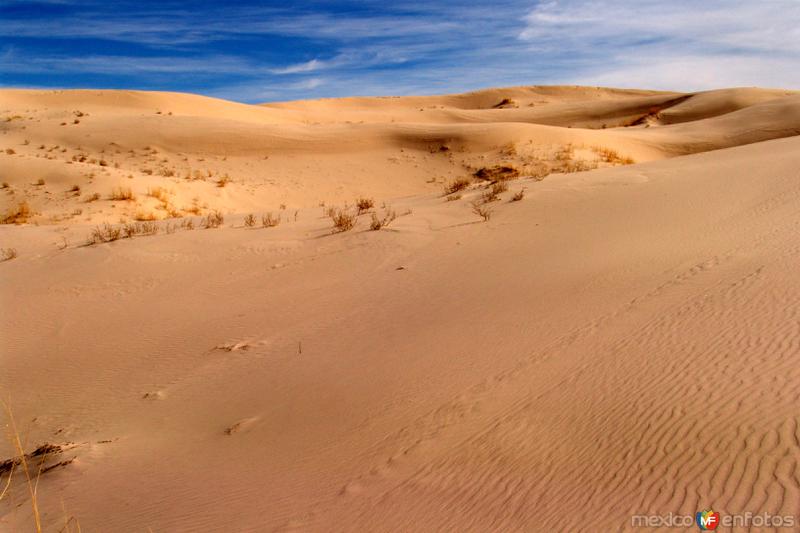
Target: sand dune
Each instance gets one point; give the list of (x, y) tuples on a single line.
[(622, 341)]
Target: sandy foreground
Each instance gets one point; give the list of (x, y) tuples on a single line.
[(624, 340)]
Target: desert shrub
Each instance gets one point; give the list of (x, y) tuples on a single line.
[(612, 156), (93, 197), (342, 220), (223, 181), (363, 204), (18, 215), (453, 197), (269, 220), (378, 223), (105, 233), (497, 173), (75, 188), (5, 185), (143, 216), (213, 220), (159, 193), (493, 192), (39, 182), (7, 254), (10, 151), (482, 211), (250, 220), (458, 184), (122, 194), (519, 195)]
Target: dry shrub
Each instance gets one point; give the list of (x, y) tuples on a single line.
[(497, 173), (223, 181), (213, 220), (453, 197), (493, 192), (505, 102), (481, 210), (166, 172), (93, 197), (519, 195), (18, 215), (612, 156), (250, 220), (5, 185), (7, 254), (566, 153), (75, 189), (122, 194), (378, 223), (10, 151), (269, 220), (458, 184), (144, 217), (105, 233), (363, 204), (342, 220), (158, 193)]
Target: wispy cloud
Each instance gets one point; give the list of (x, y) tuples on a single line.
[(258, 51)]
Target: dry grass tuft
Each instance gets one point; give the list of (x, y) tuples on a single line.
[(159, 193), (122, 194), (612, 156), (493, 193), (7, 254), (105, 233), (250, 220), (223, 181), (270, 221), (364, 204), (213, 220), (378, 223), (458, 184), (18, 215), (453, 197), (519, 195), (342, 220)]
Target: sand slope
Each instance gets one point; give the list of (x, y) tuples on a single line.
[(621, 341)]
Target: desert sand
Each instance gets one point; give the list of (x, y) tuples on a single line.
[(624, 339)]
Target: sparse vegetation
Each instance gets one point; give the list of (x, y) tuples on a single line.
[(7, 254), (223, 181), (39, 182), (378, 223), (364, 204), (497, 173), (482, 211), (250, 220), (493, 193), (612, 156), (122, 194), (519, 195), (342, 220), (458, 184), (93, 197), (105, 233), (453, 197), (270, 221), (10, 151), (213, 220), (19, 214)]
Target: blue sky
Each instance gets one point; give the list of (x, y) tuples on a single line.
[(266, 51)]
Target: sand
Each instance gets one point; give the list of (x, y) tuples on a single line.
[(625, 340)]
